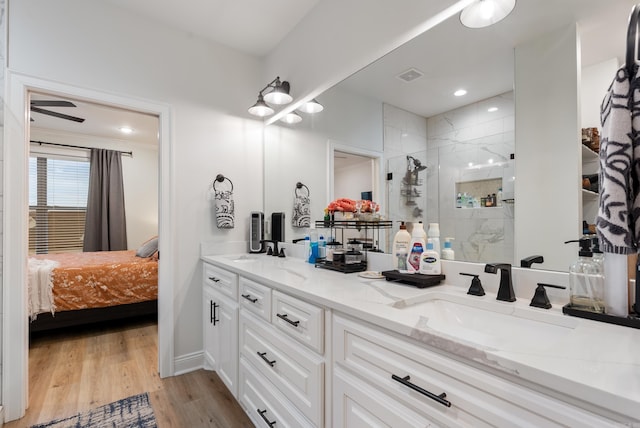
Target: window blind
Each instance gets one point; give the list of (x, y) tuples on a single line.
[(58, 189)]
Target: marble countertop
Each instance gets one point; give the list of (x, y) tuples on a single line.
[(591, 361)]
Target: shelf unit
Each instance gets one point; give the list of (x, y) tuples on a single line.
[(368, 227), (589, 199)]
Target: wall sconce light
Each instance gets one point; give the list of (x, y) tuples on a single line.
[(312, 106), (278, 94), (292, 118)]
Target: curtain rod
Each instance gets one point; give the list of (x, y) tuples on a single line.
[(77, 147)]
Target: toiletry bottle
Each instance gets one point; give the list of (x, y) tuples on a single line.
[(430, 261), (586, 281), (434, 235), (493, 199), (313, 245), (322, 247), (489, 202), (400, 249), (307, 247), (459, 201), (499, 197), (447, 251), (416, 248)]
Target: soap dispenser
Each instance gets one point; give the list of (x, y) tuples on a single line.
[(401, 243), (586, 280)]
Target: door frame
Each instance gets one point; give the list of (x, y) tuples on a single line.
[(15, 340)]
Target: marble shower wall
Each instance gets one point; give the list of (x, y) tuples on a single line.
[(460, 146), (465, 145)]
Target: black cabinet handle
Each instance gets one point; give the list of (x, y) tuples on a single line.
[(286, 318), (261, 413), (214, 279), (266, 360), (214, 305), (248, 297), (439, 398)]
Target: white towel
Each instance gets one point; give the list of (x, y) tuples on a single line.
[(618, 221), (40, 287)]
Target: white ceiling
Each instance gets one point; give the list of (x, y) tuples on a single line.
[(481, 60), (251, 26), (450, 55)]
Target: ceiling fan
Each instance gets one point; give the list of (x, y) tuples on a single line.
[(37, 104)]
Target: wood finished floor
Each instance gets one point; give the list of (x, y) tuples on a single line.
[(70, 372)]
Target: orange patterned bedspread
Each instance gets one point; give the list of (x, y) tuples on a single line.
[(101, 279)]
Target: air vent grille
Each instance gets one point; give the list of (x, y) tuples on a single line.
[(410, 75)]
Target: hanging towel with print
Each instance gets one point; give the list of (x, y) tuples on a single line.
[(301, 207), (618, 221)]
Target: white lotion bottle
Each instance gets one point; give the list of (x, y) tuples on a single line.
[(430, 261), (447, 251), (400, 248), (434, 235), (416, 248)]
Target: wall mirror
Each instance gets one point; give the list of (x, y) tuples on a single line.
[(403, 107)]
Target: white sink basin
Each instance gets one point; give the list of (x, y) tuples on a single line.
[(487, 322)]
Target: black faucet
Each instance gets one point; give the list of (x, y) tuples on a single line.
[(273, 252), (505, 291), (528, 261)]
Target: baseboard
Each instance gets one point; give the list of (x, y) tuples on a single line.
[(1, 416), (188, 363)]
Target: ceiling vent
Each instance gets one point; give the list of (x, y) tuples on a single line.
[(410, 75)]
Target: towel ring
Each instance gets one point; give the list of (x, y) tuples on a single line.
[(220, 178), (299, 185), (632, 41)]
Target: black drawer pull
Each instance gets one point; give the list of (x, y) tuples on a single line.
[(439, 398), (214, 305), (214, 279), (266, 360), (261, 413), (286, 318), (248, 297)]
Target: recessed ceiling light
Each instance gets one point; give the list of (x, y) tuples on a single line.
[(126, 130), (460, 92), (483, 13), (490, 160), (492, 109), (470, 164)]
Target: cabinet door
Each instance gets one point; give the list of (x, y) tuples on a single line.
[(358, 405), (221, 337)]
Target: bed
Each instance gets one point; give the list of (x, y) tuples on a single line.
[(79, 288)]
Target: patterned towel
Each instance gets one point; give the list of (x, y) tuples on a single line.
[(40, 287), (618, 221)]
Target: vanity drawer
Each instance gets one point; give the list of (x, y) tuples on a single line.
[(221, 280), (255, 298), (300, 320), (296, 371), (476, 398), (265, 405)]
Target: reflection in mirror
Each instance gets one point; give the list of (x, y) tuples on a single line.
[(402, 108)]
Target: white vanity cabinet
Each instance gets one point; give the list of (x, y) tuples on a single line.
[(220, 329), (412, 383), (282, 364)]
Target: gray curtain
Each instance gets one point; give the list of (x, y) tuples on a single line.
[(105, 226)]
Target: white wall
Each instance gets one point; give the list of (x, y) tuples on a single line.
[(101, 47), (348, 119), (594, 82), (351, 180), (547, 187)]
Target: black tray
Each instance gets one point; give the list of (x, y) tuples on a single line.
[(417, 279), (630, 321), (342, 267)]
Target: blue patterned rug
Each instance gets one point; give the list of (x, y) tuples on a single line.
[(131, 412)]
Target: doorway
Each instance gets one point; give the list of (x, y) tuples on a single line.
[(355, 173), (15, 226)]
